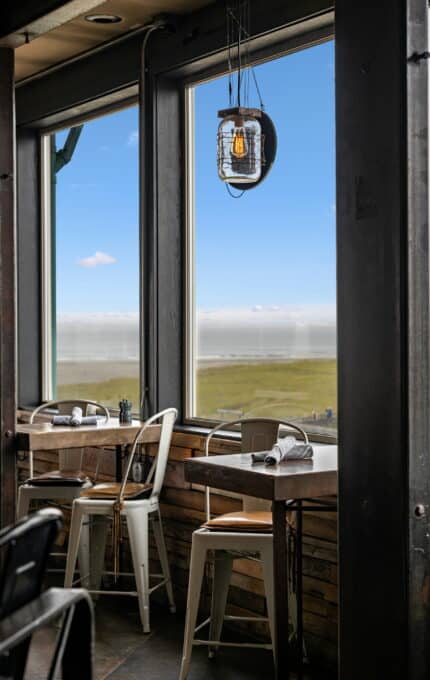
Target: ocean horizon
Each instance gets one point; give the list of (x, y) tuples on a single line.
[(268, 333)]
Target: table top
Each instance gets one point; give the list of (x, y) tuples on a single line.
[(308, 478), (47, 437)]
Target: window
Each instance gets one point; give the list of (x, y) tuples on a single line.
[(91, 260), (261, 269)]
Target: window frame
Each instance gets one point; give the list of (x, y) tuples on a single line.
[(47, 247), (277, 51)]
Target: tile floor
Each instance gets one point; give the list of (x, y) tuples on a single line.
[(124, 653)]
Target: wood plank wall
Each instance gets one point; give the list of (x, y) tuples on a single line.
[(183, 511)]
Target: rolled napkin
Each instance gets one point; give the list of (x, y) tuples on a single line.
[(76, 417), (288, 449), (280, 450), (75, 420), (89, 420), (61, 420), (284, 449)]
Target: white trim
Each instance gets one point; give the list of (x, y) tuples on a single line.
[(190, 283), (46, 273)]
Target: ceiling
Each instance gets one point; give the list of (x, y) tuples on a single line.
[(77, 35)]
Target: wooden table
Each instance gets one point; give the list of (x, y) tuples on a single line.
[(312, 478), (46, 437)]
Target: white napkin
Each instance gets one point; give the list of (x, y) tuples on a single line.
[(61, 420), (280, 450), (75, 420), (76, 417), (284, 449)]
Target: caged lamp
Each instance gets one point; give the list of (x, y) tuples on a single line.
[(240, 145), (246, 139)]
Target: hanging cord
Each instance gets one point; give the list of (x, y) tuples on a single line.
[(257, 88), (246, 31), (239, 55), (239, 195), (229, 64), (242, 24)]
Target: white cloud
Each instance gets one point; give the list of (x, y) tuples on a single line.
[(96, 259), (133, 138)]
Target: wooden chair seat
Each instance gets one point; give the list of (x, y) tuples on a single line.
[(257, 521), (110, 491), (60, 478)]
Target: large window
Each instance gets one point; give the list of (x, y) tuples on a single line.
[(262, 280), (91, 260)]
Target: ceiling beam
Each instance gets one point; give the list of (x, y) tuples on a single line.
[(198, 43), (21, 22)]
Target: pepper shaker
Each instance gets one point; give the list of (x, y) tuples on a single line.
[(125, 417)]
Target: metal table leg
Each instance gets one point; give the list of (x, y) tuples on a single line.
[(282, 656), (118, 463), (299, 589), (298, 506), (118, 478)]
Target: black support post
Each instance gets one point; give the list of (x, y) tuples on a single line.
[(383, 339), (7, 288), (29, 279)]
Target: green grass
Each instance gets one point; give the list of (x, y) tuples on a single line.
[(287, 389), (293, 389), (108, 392)]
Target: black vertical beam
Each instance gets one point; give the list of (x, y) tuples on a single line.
[(162, 236), (383, 339), (7, 287), (170, 218), (418, 341), (147, 236), (28, 244)]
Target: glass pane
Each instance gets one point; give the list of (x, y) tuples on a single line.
[(95, 227), (265, 263)]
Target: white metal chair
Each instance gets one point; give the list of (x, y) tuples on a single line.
[(246, 534), (67, 482), (139, 504)]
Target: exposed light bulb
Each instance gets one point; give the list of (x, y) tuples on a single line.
[(239, 145)]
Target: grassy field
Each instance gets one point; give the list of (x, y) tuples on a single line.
[(294, 389), (107, 392)]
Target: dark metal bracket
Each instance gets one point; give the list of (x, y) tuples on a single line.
[(416, 57)]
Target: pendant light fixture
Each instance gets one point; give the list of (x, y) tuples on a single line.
[(246, 136)]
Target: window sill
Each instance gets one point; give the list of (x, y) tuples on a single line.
[(203, 429)]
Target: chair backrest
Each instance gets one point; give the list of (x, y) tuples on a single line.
[(24, 548), (158, 468), (257, 434), (70, 459)]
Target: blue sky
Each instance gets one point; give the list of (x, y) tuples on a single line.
[(273, 246), (97, 212)]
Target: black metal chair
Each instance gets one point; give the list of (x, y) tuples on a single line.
[(24, 551)]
